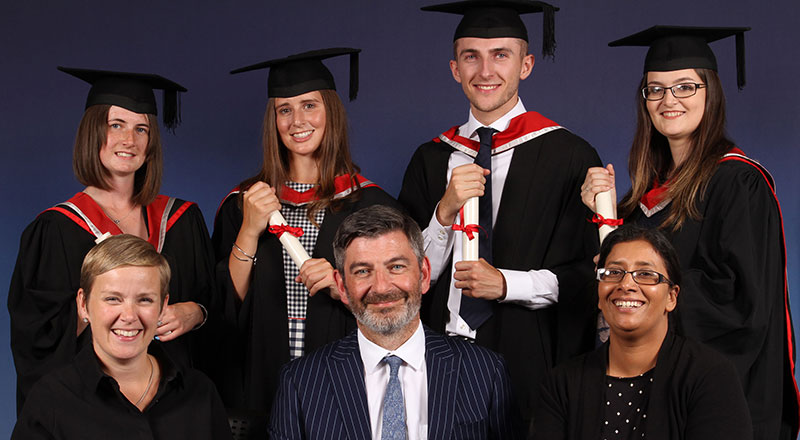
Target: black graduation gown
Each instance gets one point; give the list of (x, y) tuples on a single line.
[(695, 395), (41, 299), (257, 333), (732, 294), (541, 224)]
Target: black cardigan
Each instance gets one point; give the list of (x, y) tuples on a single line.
[(696, 394)]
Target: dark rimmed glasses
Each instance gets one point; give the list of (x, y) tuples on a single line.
[(683, 90), (644, 277)]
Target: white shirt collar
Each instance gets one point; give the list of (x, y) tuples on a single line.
[(412, 352), (469, 129)]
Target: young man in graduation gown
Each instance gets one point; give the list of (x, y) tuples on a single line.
[(528, 296), (394, 378)]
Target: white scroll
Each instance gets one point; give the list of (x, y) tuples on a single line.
[(469, 248), (605, 208), (289, 241)]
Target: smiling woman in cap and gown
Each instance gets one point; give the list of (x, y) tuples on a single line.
[(275, 311), (117, 156), (719, 209)]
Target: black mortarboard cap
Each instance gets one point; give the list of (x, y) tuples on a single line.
[(304, 72), (132, 91), (500, 19), (685, 47)]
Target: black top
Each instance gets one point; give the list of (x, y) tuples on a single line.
[(625, 413), (81, 401), (695, 395)]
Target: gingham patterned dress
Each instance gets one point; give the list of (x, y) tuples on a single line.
[(296, 293)]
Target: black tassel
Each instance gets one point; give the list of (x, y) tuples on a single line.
[(548, 31), (353, 75), (172, 110), (740, 71)]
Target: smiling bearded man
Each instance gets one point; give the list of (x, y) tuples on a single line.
[(393, 378)]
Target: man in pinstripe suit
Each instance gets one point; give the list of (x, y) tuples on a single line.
[(450, 389)]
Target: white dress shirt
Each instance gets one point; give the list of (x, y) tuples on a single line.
[(413, 375), (534, 289)]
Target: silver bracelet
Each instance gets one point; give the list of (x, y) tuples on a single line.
[(205, 316), (249, 257)]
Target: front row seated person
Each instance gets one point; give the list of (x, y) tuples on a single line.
[(393, 378), (646, 381), (123, 386)]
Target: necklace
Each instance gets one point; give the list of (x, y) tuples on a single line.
[(108, 214), (149, 382), (118, 221)]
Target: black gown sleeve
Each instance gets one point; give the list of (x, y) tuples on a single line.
[(187, 248), (425, 181), (733, 286), (41, 298)]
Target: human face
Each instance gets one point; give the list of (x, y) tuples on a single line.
[(127, 135), (631, 309), (301, 122), (489, 71), (123, 311), (676, 118), (383, 283)]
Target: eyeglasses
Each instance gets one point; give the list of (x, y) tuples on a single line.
[(644, 277), (684, 90)]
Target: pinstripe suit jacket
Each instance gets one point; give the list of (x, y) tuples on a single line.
[(323, 396)]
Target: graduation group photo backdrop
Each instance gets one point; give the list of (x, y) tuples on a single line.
[(407, 94)]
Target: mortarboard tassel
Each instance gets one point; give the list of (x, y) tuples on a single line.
[(172, 110), (353, 75), (740, 72), (548, 31)]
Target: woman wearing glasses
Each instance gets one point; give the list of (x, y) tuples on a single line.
[(646, 381), (720, 212)]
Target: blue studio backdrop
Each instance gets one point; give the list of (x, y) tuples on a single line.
[(407, 94)]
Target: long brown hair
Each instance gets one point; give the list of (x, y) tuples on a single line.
[(332, 156), (650, 159), (88, 168)]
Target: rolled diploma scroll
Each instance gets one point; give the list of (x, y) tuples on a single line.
[(289, 241), (469, 248), (605, 207)]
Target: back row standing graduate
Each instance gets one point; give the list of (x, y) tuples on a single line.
[(528, 296), (117, 156), (722, 215), (275, 311)]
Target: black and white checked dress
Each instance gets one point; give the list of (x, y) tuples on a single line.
[(296, 293)]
